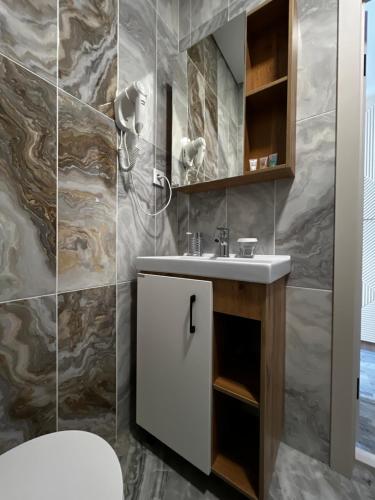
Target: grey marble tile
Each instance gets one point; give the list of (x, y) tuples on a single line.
[(298, 477), (183, 203), (210, 134), (207, 212), (238, 6), (29, 34), (196, 54), (250, 214), (27, 370), (184, 24), (28, 183), (211, 55), (88, 51), (305, 205), (136, 231), (235, 167), (202, 12), (179, 117), (317, 57), (126, 354), (223, 141), (137, 53), (87, 361), (208, 27), (87, 196), (365, 476), (308, 371), (168, 11), (166, 229), (167, 52)]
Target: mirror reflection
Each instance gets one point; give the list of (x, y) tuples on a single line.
[(208, 107)]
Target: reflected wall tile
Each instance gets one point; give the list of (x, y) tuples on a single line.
[(223, 141), (88, 51), (126, 354), (87, 361), (183, 202), (137, 53), (87, 196), (308, 371), (28, 183), (250, 214), (29, 34), (196, 104), (207, 212), (27, 370), (136, 231), (196, 54), (167, 51), (210, 134), (202, 12), (208, 27), (317, 57), (168, 11), (305, 206), (184, 24)]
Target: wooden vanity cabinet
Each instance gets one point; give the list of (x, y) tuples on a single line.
[(227, 377)]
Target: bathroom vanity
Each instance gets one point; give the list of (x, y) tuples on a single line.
[(210, 362)]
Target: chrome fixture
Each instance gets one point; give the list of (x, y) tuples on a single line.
[(223, 239)]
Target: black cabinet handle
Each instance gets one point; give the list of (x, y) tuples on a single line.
[(192, 300)]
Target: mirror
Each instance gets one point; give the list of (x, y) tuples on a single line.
[(208, 107)]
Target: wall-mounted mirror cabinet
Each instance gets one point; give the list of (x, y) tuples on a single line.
[(234, 98)]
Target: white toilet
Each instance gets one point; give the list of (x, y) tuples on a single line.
[(67, 465)]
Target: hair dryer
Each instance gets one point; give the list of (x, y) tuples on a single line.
[(130, 107)]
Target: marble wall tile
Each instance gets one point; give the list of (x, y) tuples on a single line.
[(168, 11), (196, 54), (166, 230), (87, 196), (137, 53), (211, 55), (210, 134), (202, 12), (305, 206), (184, 24), (27, 370), (126, 354), (308, 371), (250, 214), (87, 361), (88, 51), (179, 116), (207, 211), (183, 203), (136, 231), (28, 183), (207, 27), (223, 141), (29, 34), (238, 6), (167, 52), (317, 57)]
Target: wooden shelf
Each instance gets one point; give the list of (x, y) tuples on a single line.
[(235, 474), (267, 174), (236, 390), (267, 86)]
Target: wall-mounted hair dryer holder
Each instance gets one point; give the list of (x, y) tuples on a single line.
[(130, 107)]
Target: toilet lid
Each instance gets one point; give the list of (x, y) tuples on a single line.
[(67, 465)]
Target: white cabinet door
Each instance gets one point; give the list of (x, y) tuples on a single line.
[(174, 366)]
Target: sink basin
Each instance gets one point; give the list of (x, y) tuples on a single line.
[(260, 269)]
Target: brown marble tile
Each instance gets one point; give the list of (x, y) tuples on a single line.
[(29, 34), (27, 370), (87, 196), (28, 183), (87, 361), (88, 51)]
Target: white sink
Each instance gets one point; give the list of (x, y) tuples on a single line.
[(260, 269)]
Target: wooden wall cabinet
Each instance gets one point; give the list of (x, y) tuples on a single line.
[(269, 95), (216, 396)]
